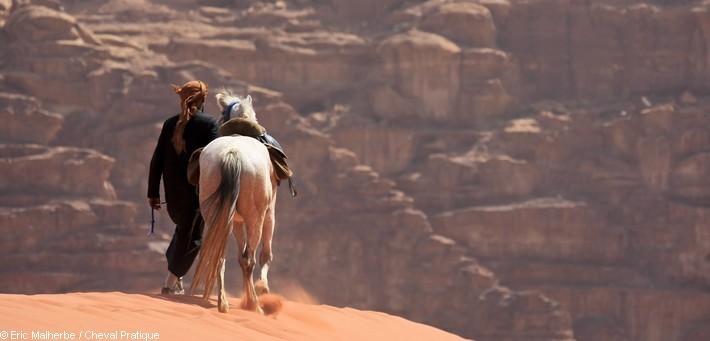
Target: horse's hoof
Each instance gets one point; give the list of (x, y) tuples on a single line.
[(261, 288), (223, 307)]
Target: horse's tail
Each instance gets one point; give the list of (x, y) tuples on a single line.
[(218, 225)]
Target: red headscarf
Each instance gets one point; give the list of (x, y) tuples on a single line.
[(192, 97)]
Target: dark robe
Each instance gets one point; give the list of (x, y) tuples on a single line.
[(181, 197)]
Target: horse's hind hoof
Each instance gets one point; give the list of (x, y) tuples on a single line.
[(261, 288), (223, 308)]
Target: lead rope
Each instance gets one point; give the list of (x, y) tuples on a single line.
[(151, 232)]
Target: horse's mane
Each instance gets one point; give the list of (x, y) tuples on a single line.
[(243, 107)]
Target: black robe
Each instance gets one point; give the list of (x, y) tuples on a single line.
[(181, 197), (166, 163)]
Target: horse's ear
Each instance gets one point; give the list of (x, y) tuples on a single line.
[(175, 88), (248, 99)]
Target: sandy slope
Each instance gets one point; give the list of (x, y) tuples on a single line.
[(120, 316)]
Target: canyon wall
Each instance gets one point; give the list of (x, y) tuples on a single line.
[(504, 170)]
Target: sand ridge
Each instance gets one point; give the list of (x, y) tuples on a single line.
[(122, 316)]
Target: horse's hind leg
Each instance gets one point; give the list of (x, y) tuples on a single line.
[(222, 302), (262, 286), (247, 261)]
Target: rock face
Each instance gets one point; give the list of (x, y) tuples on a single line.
[(65, 228), (504, 170), (602, 50), (41, 54), (17, 116), (426, 67), (466, 24)]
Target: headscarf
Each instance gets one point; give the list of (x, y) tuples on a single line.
[(192, 97)]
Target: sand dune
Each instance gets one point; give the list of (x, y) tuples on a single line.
[(121, 316)]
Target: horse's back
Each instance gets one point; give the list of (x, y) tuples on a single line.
[(256, 170), (251, 152)]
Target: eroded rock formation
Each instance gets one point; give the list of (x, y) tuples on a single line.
[(505, 170)]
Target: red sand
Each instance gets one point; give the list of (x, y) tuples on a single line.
[(120, 316)]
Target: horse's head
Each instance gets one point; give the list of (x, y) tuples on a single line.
[(232, 106)]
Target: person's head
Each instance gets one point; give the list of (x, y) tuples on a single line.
[(192, 99)]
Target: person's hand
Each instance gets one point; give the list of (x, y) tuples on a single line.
[(154, 203)]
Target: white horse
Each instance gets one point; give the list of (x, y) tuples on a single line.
[(237, 192)]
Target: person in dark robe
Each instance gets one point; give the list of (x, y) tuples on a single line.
[(181, 135)]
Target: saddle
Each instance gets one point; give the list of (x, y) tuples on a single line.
[(244, 127)]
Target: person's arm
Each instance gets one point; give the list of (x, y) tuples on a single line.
[(214, 130), (156, 171)]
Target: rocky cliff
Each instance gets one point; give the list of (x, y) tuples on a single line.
[(504, 170)]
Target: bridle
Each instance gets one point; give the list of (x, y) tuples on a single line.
[(227, 113)]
